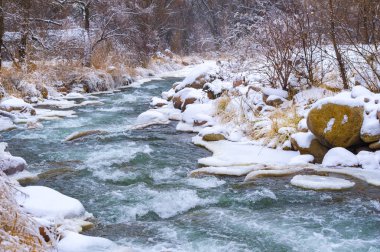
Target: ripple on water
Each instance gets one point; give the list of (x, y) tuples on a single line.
[(107, 160), (140, 201)]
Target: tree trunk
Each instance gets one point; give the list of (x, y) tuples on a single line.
[(338, 55), (87, 40), (22, 50), (1, 31)]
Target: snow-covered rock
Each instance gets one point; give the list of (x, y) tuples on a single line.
[(158, 102), (10, 164), (44, 202), (340, 157), (74, 96), (196, 117), (368, 160), (12, 103), (6, 124), (74, 242), (336, 121), (151, 117), (274, 100), (197, 78), (307, 143), (301, 160), (276, 92), (315, 182)]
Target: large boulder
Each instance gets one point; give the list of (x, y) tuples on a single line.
[(307, 143), (336, 124), (90, 81)]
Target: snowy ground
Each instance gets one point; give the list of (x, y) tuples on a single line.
[(242, 142)]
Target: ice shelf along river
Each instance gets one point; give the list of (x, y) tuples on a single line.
[(136, 185)]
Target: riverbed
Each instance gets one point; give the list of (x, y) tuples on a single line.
[(136, 184)]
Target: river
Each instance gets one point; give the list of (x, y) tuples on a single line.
[(136, 185)]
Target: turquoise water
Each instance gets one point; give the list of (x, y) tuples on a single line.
[(136, 185)]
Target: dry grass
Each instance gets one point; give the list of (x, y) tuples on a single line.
[(281, 118), (18, 232), (221, 109)]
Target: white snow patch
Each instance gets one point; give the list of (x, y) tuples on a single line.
[(301, 160), (303, 139), (340, 157), (329, 125), (74, 242), (47, 203), (345, 119), (196, 72), (277, 92), (227, 153), (6, 124), (321, 182), (150, 117)]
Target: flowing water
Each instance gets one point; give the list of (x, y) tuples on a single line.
[(136, 185)]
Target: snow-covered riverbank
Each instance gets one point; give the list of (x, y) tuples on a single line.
[(56, 217), (258, 131)]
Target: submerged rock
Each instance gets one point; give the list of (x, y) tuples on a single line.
[(81, 134), (336, 125)]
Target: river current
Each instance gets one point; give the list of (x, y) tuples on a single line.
[(136, 185)]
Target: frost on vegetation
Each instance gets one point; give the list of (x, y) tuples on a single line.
[(18, 231)]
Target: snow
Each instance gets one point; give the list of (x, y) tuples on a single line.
[(6, 124), (272, 173), (74, 242), (343, 98), (358, 91), (191, 93), (371, 126), (370, 176), (301, 160), (345, 119), (276, 92), (368, 160), (196, 72), (226, 153), (43, 202), (340, 157), (329, 126), (151, 117), (321, 182), (302, 125), (74, 95), (156, 101), (227, 170), (217, 129), (275, 97), (217, 86), (8, 163), (303, 139), (13, 103)]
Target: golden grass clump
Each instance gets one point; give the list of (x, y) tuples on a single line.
[(18, 232)]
